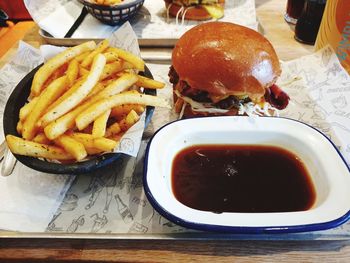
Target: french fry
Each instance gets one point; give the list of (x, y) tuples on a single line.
[(55, 75), (51, 93), (19, 127), (81, 57), (99, 127), (72, 146), (41, 138), (26, 109), (107, 145), (28, 148), (67, 121), (83, 71), (149, 83), (129, 121), (96, 109), (113, 130), (72, 71), (74, 99), (120, 112), (116, 137), (93, 151), (128, 56), (111, 69), (103, 144), (96, 90), (66, 94), (54, 63), (110, 56), (102, 46), (125, 81), (112, 2)]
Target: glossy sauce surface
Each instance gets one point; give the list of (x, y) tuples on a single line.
[(241, 178)]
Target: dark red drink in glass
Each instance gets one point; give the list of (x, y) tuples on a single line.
[(294, 9)]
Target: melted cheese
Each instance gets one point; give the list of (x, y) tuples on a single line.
[(215, 11)]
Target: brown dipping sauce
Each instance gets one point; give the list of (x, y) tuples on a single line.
[(241, 178)]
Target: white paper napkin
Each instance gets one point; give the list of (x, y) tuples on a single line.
[(29, 198)]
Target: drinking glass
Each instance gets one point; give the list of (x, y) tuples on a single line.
[(293, 10)]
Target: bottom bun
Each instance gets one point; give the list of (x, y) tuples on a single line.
[(193, 13)]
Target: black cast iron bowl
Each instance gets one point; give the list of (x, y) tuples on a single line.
[(19, 97)]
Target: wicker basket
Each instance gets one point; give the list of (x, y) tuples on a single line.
[(113, 15)]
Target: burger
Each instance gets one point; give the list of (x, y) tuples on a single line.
[(220, 68), (195, 9)]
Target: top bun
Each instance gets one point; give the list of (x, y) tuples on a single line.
[(196, 12), (223, 58)]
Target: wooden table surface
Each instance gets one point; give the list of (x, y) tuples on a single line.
[(270, 15)]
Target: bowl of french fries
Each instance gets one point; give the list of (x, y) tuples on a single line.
[(68, 115), (113, 12)]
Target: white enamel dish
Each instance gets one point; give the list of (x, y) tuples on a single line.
[(328, 171)]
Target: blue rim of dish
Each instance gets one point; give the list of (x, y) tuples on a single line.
[(19, 97), (241, 229)]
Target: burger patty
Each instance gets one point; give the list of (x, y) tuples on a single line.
[(202, 96), (273, 95)]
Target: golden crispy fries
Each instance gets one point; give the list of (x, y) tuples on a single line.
[(149, 83), (72, 146), (41, 138), (26, 109), (83, 71), (119, 85), (67, 121), (102, 46), (84, 88), (104, 144), (112, 2), (116, 137), (110, 56), (129, 57), (82, 56), (51, 93), (55, 75), (120, 112), (54, 63), (28, 148), (113, 130), (129, 121), (90, 142), (96, 90), (78, 96), (108, 2), (111, 69), (93, 151), (95, 110), (19, 127), (99, 127), (72, 72), (66, 94)]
